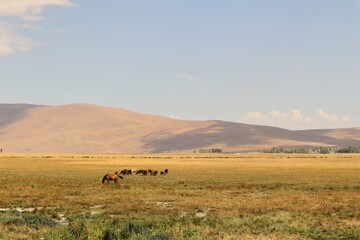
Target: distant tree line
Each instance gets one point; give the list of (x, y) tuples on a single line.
[(322, 150), (286, 150), (208, 150), (353, 149)]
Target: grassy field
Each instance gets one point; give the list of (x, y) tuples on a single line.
[(245, 196)]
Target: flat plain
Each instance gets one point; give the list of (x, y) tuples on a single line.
[(204, 196)]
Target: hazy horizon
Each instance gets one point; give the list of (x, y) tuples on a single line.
[(289, 64)]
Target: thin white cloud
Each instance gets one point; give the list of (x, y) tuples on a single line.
[(295, 115), (345, 118), (185, 76), (29, 10), (256, 116), (327, 116), (277, 114), (11, 41), (295, 119), (331, 117), (24, 10)]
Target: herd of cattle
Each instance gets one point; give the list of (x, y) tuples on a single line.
[(115, 176)]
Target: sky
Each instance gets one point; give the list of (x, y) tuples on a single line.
[(293, 64)]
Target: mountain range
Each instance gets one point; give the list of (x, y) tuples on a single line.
[(85, 128)]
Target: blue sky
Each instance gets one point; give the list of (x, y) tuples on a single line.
[(292, 64)]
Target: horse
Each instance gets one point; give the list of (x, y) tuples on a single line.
[(126, 172), (142, 172), (112, 177)]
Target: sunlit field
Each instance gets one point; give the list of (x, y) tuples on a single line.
[(213, 196)]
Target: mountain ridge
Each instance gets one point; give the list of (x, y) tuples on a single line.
[(88, 128)]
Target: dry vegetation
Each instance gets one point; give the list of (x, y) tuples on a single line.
[(248, 196)]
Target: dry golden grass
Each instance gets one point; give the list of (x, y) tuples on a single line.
[(252, 196)]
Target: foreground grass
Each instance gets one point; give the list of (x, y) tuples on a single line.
[(249, 196)]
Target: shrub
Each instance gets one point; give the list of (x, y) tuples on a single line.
[(35, 220), (78, 230), (132, 230)]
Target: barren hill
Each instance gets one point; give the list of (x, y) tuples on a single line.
[(84, 128)]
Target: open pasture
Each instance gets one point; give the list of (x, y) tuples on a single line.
[(214, 196)]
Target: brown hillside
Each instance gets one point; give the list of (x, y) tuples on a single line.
[(10, 113), (84, 128)]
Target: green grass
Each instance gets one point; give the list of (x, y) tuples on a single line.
[(248, 196)]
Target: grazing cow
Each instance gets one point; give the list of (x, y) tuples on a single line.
[(162, 173), (154, 173), (166, 171), (112, 177)]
